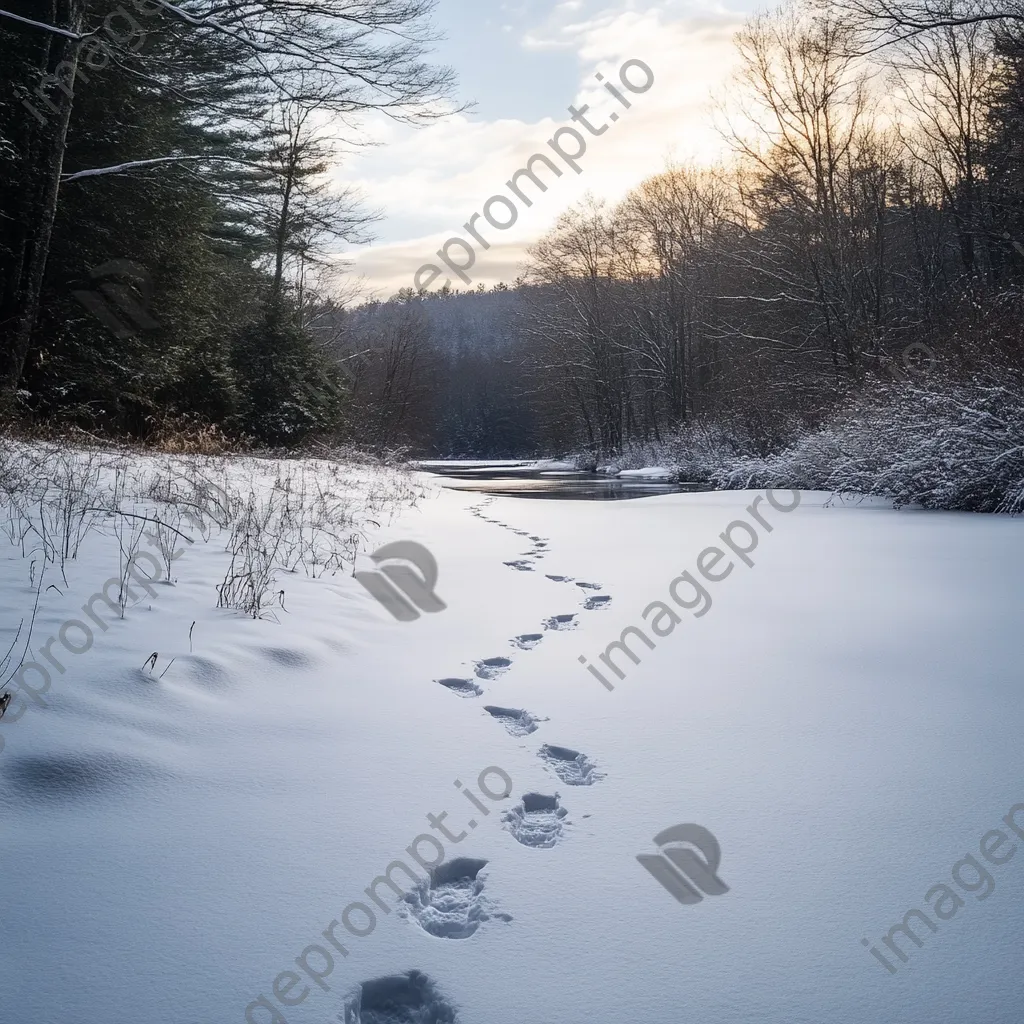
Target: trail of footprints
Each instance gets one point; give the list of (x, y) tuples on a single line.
[(537, 820), (451, 903)]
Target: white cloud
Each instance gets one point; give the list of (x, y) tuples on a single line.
[(386, 268), (430, 181)]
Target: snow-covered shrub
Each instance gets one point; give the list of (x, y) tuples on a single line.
[(928, 440), (272, 515), (925, 439), (698, 450)]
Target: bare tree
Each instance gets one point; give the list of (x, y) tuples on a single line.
[(804, 129), (576, 264), (668, 229), (944, 77), (881, 23), (305, 211), (386, 356)]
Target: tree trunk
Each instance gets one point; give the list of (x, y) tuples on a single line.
[(39, 207)]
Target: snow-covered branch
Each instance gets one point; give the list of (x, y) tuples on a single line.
[(96, 172), (45, 27)]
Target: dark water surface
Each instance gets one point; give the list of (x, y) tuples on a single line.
[(524, 482)]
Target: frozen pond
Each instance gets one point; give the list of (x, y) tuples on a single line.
[(524, 480)]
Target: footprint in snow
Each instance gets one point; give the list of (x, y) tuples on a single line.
[(521, 564), (561, 622), (491, 668), (463, 687), (450, 903), (527, 641), (515, 720), (597, 601), (572, 767), (536, 821), (559, 579), (589, 586), (410, 998)]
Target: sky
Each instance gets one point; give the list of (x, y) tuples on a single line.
[(521, 64)]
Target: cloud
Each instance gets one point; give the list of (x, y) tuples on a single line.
[(387, 268), (432, 180)]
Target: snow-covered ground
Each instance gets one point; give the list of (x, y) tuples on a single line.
[(187, 842), (649, 473)]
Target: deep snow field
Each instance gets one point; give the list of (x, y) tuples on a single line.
[(846, 718)]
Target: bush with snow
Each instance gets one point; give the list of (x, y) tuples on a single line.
[(928, 440)]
